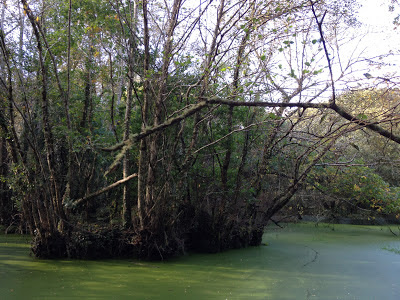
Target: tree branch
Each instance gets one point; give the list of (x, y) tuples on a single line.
[(328, 59), (372, 126), (133, 138), (103, 190)]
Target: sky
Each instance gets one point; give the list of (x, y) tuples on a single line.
[(380, 34), (376, 13)]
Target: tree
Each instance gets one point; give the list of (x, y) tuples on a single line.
[(203, 107)]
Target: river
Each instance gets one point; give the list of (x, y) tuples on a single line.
[(301, 261)]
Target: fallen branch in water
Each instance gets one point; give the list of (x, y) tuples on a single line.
[(390, 229), (276, 223), (315, 257)]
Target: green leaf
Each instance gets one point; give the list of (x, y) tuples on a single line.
[(272, 116), (362, 116)]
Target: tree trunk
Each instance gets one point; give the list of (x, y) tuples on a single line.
[(141, 202), (6, 203), (126, 197), (158, 115)]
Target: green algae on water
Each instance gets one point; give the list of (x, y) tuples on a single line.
[(301, 261)]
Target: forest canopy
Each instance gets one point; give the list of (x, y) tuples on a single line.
[(147, 128)]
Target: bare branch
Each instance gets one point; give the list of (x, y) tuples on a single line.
[(321, 33), (103, 190)]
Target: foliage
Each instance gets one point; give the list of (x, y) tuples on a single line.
[(361, 186)]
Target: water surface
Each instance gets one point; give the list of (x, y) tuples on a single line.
[(299, 262)]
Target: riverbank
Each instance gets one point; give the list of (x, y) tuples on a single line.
[(349, 220)]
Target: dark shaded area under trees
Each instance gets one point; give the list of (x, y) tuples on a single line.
[(150, 128)]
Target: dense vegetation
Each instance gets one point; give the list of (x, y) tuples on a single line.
[(146, 128)]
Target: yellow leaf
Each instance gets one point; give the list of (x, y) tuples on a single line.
[(37, 19), (356, 188)]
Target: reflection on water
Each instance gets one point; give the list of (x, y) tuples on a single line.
[(299, 262)]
